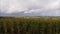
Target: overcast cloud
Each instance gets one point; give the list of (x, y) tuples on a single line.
[(37, 7)]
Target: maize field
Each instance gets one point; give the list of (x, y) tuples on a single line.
[(29, 25)]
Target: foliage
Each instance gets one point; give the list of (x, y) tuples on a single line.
[(29, 25)]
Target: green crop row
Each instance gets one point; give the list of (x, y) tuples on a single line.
[(30, 26)]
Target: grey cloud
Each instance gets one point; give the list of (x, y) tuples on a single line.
[(30, 7)]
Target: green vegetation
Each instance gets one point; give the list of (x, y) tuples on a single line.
[(29, 25)]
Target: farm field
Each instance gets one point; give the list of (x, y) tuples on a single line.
[(29, 25)]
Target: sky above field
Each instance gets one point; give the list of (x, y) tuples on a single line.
[(30, 7)]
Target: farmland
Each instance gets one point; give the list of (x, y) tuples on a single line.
[(29, 25)]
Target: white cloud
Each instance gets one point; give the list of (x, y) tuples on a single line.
[(28, 6), (53, 5)]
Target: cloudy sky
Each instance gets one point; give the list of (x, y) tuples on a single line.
[(30, 7)]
